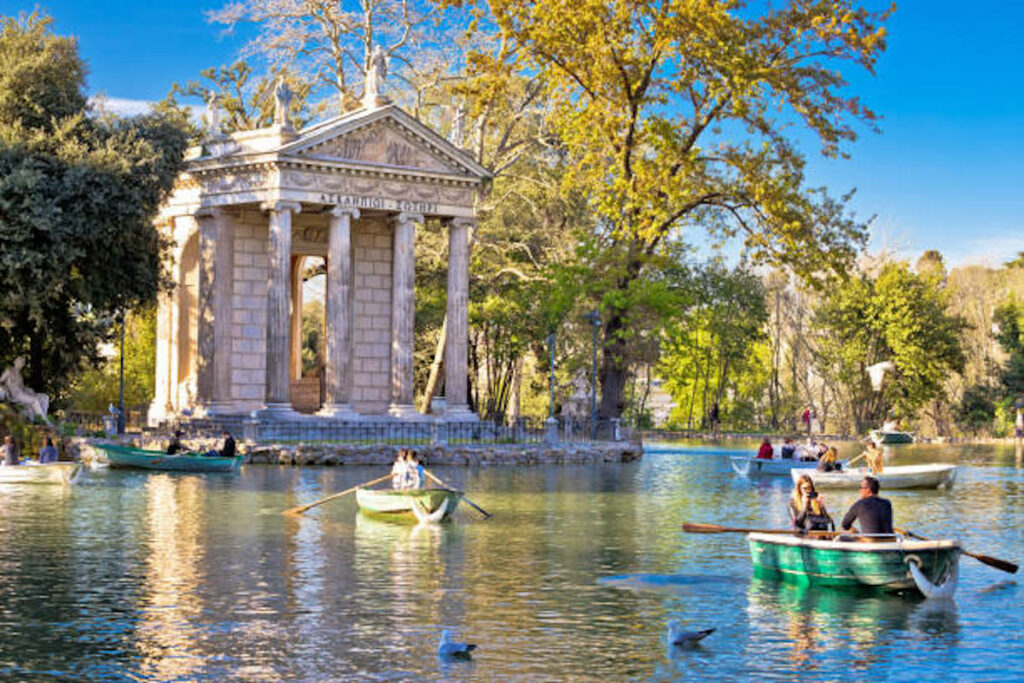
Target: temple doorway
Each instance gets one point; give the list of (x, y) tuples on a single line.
[(309, 296)]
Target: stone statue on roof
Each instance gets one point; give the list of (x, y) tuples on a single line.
[(282, 102), (373, 86)]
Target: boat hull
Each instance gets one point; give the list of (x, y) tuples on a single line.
[(850, 564), (776, 467), (59, 473), (399, 503), (137, 458), (896, 477), (880, 437)]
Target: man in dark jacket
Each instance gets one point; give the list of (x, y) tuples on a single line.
[(873, 513), (228, 451)]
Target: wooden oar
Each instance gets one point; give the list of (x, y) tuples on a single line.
[(1002, 565), (302, 508), (718, 529), (485, 513)]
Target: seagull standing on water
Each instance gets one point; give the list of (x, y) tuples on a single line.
[(449, 650), (680, 638)]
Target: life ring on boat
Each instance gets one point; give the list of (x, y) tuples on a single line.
[(943, 591)]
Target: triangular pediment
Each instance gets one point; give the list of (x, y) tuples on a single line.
[(385, 138)]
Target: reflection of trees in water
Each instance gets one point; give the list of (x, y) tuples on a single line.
[(819, 621)]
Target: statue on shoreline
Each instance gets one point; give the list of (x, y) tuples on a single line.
[(12, 387)]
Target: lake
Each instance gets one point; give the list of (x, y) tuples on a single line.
[(178, 577)]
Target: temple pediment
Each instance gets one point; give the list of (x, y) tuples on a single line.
[(386, 138)]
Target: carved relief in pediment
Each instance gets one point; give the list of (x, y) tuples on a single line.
[(380, 144)]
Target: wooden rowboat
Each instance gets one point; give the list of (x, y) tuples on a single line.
[(63, 473), (138, 458), (853, 563), (433, 505), (895, 477), (880, 436)]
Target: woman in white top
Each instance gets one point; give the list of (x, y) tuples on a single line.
[(399, 471)]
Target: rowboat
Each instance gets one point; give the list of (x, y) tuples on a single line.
[(138, 458), (31, 473), (426, 505), (894, 477), (850, 563), (754, 467), (881, 436)]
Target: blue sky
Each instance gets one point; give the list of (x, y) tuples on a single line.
[(946, 173)]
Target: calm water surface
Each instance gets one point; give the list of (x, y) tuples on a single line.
[(158, 577)]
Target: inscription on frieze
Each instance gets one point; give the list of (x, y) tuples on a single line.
[(380, 203)]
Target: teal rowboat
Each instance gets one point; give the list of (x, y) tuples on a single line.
[(138, 458), (848, 564), (883, 437), (433, 505)]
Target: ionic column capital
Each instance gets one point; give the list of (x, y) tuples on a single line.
[(406, 218), (337, 211), (279, 206), (462, 222)]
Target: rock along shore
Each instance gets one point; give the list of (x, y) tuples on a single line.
[(333, 454)]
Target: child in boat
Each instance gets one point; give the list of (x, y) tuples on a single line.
[(807, 509)]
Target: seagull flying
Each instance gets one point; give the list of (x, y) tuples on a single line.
[(449, 650), (677, 636)]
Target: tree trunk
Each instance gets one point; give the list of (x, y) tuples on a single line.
[(434, 377)]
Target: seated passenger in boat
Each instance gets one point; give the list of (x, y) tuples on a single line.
[(9, 452), (807, 509), (874, 514), (398, 470), (175, 447), (788, 448), (228, 449), (418, 474), (765, 452), (48, 453), (830, 461)]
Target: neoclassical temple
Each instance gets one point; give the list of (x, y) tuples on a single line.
[(248, 212)]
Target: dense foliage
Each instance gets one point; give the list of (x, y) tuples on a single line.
[(77, 200)]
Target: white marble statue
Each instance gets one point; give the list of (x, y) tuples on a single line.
[(373, 86), (12, 387), (458, 133), (213, 117), (282, 101)]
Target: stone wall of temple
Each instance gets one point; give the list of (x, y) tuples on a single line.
[(249, 311), (371, 340)]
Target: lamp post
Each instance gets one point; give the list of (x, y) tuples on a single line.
[(594, 318), (120, 395)]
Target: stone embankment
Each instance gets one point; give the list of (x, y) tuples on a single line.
[(353, 454)]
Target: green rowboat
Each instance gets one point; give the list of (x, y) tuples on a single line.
[(138, 458), (432, 505), (883, 437), (884, 565)]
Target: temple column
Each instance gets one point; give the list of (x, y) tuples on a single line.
[(403, 313), (278, 387), (339, 317), (456, 348), (298, 263), (216, 283), (160, 407)]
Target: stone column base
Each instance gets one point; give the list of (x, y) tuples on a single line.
[(277, 411), (550, 431), (339, 411), (460, 413), (405, 411)]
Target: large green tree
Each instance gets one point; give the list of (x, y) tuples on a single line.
[(678, 115), (901, 317), (78, 195)]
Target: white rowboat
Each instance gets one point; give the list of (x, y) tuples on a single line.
[(51, 473), (894, 477)]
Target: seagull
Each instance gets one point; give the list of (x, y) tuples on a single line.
[(449, 650), (681, 638)]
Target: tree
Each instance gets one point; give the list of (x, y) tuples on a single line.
[(900, 317), (77, 199), (1009, 332), (680, 115)]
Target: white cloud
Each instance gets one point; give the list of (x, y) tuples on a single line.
[(120, 105), (988, 251)]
